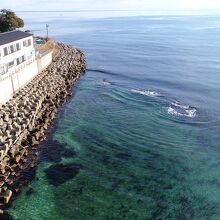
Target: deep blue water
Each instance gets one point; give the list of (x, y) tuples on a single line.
[(139, 139)]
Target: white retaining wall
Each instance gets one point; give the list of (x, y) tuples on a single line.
[(11, 83)]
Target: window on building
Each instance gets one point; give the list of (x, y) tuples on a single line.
[(12, 49), (17, 61), (11, 64), (20, 60), (18, 46), (23, 58), (2, 70), (5, 51), (27, 43)]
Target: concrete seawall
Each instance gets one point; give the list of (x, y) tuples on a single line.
[(26, 116), (12, 82)]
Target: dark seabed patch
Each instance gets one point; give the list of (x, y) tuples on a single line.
[(6, 216), (123, 156), (27, 175), (59, 173), (58, 150), (30, 191)]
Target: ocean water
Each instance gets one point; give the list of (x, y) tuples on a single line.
[(139, 139)]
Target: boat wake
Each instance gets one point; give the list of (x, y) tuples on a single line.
[(179, 109), (150, 93), (175, 108)]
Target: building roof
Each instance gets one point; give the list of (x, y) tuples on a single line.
[(11, 36)]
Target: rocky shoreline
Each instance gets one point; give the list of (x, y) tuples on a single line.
[(25, 118)]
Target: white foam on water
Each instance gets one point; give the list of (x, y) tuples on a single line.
[(105, 82), (177, 104), (179, 109), (172, 111), (191, 113), (150, 93), (176, 108)]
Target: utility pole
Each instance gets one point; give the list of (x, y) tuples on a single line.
[(47, 29)]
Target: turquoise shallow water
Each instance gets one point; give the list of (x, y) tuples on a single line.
[(139, 139)]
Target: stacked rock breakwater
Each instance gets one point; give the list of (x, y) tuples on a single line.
[(24, 119)]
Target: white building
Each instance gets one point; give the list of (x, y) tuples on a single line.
[(19, 63), (16, 50)]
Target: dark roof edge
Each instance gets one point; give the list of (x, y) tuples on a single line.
[(11, 36), (9, 32)]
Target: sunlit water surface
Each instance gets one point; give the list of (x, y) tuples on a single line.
[(139, 138)]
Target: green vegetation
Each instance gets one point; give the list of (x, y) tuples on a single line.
[(9, 21)]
